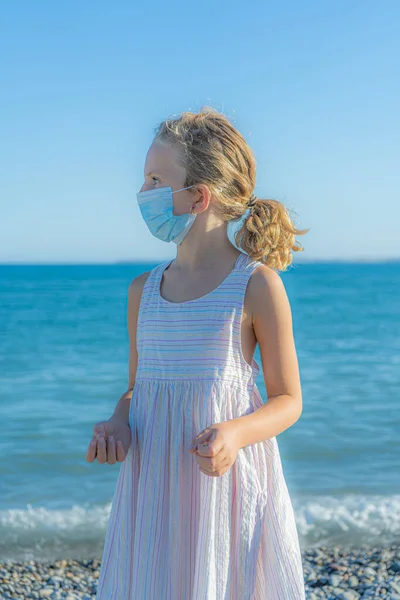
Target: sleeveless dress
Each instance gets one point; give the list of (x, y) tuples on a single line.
[(175, 533)]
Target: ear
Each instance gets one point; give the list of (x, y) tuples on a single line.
[(202, 198)]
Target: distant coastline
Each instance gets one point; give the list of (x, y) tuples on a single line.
[(297, 261)]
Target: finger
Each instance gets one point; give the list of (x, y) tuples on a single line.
[(92, 451), (216, 445), (203, 435), (203, 447), (217, 473), (210, 444), (120, 452), (198, 440), (111, 451), (211, 464), (205, 472), (210, 448), (101, 450), (99, 430), (209, 473), (205, 463)]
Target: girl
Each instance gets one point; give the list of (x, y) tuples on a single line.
[(201, 510)]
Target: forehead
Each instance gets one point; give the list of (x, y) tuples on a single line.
[(163, 159)]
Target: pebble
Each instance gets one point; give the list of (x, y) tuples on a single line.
[(365, 573), (353, 581), (337, 573)]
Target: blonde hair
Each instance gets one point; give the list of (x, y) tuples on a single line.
[(214, 153)]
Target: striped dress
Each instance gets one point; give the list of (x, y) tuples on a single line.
[(175, 533)]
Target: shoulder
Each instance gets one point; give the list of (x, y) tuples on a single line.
[(267, 294), (137, 284), (135, 291), (265, 280)]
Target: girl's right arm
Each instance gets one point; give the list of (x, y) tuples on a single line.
[(112, 438), (121, 411)]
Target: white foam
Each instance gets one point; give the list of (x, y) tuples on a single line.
[(350, 519), (41, 517), (80, 530)]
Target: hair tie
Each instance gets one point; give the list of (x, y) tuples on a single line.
[(252, 201)]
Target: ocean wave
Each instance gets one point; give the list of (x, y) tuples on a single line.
[(38, 533)]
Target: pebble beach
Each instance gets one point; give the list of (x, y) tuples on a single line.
[(330, 573)]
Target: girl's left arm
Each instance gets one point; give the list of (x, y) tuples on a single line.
[(272, 323)]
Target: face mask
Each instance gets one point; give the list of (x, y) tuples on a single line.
[(234, 226), (157, 207)]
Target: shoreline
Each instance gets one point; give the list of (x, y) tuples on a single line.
[(363, 573)]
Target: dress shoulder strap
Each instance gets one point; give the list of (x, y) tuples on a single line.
[(153, 279), (150, 289), (245, 267)]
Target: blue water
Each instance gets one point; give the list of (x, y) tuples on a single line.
[(63, 366)]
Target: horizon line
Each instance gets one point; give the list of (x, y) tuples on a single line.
[(152, 261)]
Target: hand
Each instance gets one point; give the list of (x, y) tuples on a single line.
[(110, 443), (216, 448)]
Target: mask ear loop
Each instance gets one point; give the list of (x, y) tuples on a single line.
[(191, 210)]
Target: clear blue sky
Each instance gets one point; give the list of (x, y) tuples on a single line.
[(313, 86)]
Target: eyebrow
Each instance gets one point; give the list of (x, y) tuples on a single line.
[(151, 173)]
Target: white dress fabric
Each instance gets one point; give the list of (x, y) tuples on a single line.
[(175, 533)]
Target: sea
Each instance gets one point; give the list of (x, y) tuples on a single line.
[(64, 365)]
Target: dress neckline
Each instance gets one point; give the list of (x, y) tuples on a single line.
[(184, 302)]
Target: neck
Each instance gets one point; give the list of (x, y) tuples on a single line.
[(206, 248)]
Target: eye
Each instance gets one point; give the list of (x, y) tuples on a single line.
[(155, 179)]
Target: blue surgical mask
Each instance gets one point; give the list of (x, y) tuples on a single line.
[(157, 207), (236, 225)]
